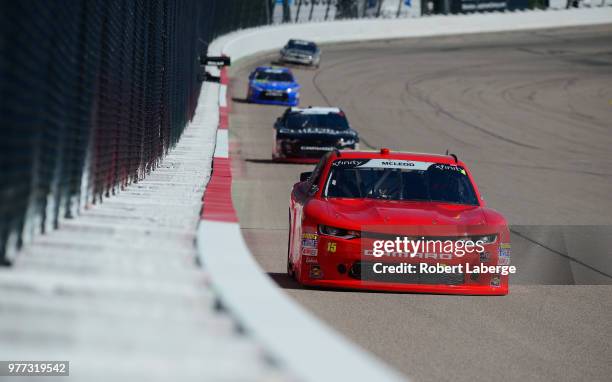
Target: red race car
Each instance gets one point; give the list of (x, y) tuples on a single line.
[(396, 221)]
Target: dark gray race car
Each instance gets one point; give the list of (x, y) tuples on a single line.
[(301, 52), (304, 135)]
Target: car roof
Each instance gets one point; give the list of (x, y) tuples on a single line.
[(275, 69), (412, 156), (315, 110)]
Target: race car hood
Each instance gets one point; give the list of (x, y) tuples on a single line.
[(391, 216), (316, 133), (272, 85)]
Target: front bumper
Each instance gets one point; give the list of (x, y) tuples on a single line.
[(297, 60), (306, 150), (336, 259), (273, 97)]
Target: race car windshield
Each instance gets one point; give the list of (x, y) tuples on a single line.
[(274, 76), (332, 121), (308, 46), (437, 183)]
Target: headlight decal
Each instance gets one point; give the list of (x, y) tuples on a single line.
[(338, 232)]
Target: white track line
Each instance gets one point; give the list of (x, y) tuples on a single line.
[(221, 147), (223, 96)]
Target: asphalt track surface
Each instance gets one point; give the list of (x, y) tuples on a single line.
[(531, 114)]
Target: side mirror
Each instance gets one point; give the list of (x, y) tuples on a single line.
[(305, 175)]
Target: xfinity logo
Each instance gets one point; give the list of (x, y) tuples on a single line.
[(346, 163)]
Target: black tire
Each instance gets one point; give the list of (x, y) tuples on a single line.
[(290, 271)]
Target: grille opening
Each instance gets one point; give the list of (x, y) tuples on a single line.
[(364, 271)]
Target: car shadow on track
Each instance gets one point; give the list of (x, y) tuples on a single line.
[(265, 161), (239, 100), (292, 65), (284, 280)]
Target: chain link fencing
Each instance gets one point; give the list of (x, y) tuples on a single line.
[(93, 94)]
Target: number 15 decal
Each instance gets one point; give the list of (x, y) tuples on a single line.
[(331, 247)]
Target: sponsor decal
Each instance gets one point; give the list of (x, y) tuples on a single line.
[(317, 148), (348, 163), (504, 253), (310, 260), (309, 244), (441, 256), (331, 247), (495, 280), (396, 163), (449, 167), (309, 251), (319, 130), (315, 271), (484, 256), (435, 256)]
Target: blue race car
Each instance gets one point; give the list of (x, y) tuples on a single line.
[(274, 86)]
